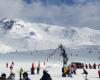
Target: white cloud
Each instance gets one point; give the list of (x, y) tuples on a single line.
[(77, 15), (10, 8)]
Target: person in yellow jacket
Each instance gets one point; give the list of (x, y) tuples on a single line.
[(64, 71), (21, 73)]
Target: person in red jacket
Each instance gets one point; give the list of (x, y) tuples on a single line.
[(32, 69), (99, 73)]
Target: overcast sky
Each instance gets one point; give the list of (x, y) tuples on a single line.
[(77, 13)]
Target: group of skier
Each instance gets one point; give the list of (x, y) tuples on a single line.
[(69, 70), (10, 66), (89, 66)]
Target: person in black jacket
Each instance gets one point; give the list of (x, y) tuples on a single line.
[(25, 76), (85, 73), (46, 76), (3, 76)]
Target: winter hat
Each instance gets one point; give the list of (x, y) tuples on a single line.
[(3, 75), (25, 74)]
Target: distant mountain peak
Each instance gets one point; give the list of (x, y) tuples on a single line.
[(7, 23)]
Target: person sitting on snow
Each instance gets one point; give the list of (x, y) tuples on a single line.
[(46, 76), (3, 76), (25, 76)]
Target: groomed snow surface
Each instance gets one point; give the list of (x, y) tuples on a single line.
[(55, 73), (53, 66)]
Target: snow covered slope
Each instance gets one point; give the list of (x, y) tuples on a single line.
[(16, 34)]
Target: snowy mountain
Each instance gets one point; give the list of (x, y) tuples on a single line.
[(16, 34)]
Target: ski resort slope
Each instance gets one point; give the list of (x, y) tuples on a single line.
[(25, 43), (53, 65), (16, 34)]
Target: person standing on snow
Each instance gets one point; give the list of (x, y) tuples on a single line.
[(11, 68), (12, 63), (32, 69), (46, 76), (86, 66), (99, 73), (38, 68), (90, 67), (85, 73), (98, 66), (94, 66), (20, 73), (6, 65)]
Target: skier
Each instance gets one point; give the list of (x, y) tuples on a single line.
[(44, 63), (3, 76), (6, 65), (25, 76), (90, 67), (98, 66), (86, 66), (46, 76), (85, 73), (73, 68), (44, 66), (32, 69), (11, 76), (20, 73), (69, 71), (38, 68), (47, 59), (64, 71), (82, 65), (12, 63), (94, 66), (11, 68), (99, 73)]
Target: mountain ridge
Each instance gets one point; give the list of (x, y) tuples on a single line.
[(17, 34)]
